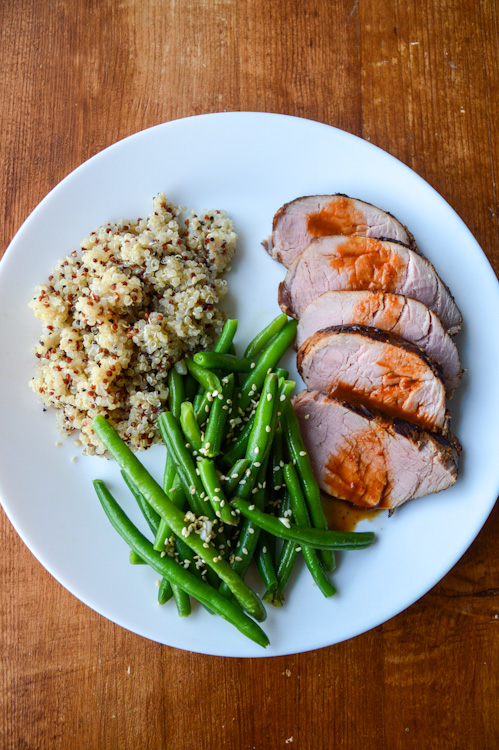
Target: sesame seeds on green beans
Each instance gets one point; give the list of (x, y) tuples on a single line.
[(229, 447), (170, 569)]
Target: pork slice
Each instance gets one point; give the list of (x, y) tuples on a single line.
[(375, 368), (297, 223), (370, 460), (404, 316), (337, 263)]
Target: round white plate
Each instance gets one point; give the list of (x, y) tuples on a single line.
[(249, 164)]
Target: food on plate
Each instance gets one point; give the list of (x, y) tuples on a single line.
[(372, 460), (297, 223), (138, 297), (213, 514), (337, 263), (374, 333), (395, 313), (375, 368)]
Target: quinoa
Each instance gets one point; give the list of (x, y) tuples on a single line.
[(118, 314)]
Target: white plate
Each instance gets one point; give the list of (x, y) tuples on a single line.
[(249, 164)]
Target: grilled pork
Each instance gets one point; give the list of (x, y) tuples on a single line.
[(371, 460), (297, 223), (361, 263), (388, 312), (375, 368)]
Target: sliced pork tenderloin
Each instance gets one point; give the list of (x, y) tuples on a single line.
[(370, 460), (378, 369), (297, 223), (362, 263), (388, 312)]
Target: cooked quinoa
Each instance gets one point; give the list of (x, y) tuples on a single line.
[(118, 314)]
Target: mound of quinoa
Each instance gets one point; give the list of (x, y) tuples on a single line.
[(118, 314)]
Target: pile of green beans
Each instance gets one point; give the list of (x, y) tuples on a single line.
[(237, 486)]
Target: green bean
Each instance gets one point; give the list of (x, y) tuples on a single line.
[(155, 522), (162, 534), (190, 425), (249, 534), (206, 378), (169, 568), (302, 518), (222, 346), (237, 449), (267, 360), (235, 474), (212, 485), (135, 559), (190, 387), (265, 563), (285, 566), (182, 600), (176, 393), (226, 362), (275, 476), (225, 339), (315, 538), (281, 372), (215, 428), (165, 591), (191, 483), (153, 519), (262, 339), (260, 438), (154, 495), (299, 455)]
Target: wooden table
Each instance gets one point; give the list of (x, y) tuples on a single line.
[(417, 79)]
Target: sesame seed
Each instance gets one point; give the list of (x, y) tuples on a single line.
[(217, 489), (285, 522), (277, 487), (192, 489), (251, 531), (252, 366), (307, 416), (303, 453), (203, 494), (283, 398), (252, 507), (257, 449), (234, 476), (269, 397), (257, 464), (207, 408), (245, 551), (198, 472), (206, 545), (216, 499), (264, 550), (239, 559), (207, 445), (268, 428), (163, 553), (215, 393), (298, 549), (254, 491)]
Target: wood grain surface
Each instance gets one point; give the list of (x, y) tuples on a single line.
[(418, 78)]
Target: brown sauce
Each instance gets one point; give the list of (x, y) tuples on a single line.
[(380, 310), (338, 217), (357, 472), (342, 516), (369, 264)]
